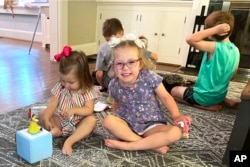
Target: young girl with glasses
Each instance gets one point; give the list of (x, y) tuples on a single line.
[(70, 110), (138, 121)]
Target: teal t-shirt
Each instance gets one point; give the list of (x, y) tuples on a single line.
[(215, 74)]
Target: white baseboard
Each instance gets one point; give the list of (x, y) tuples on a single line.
[(88, 49), (22, 35)]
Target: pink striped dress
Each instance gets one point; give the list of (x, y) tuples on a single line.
[(66, 101)]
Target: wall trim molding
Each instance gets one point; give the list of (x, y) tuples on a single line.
[(22, 35), (20, 10)]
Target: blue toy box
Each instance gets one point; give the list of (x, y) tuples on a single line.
[(34, 147)]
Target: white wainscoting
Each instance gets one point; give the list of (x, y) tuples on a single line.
[(20, 24)]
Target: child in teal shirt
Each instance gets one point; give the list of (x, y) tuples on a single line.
[(219, 64)]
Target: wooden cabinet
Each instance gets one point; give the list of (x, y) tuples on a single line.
[(162, 24)]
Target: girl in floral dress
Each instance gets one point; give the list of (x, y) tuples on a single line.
[(138, 122)]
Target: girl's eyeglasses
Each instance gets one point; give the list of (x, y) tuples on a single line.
[(129, 64)]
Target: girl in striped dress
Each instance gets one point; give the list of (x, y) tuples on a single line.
[(70, 110)]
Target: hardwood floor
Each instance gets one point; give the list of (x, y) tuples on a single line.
[(26, 79)]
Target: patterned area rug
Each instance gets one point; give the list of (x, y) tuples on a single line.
[(241, 76), (209, 134)]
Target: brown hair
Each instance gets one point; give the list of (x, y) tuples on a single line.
[(144, 40), (220, 17), (111, 27), (144, 63), (78, 61)]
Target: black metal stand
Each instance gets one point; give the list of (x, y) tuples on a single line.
[(34, 34), (194, 55)]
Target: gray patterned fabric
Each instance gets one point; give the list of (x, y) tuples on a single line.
[(209, 134)]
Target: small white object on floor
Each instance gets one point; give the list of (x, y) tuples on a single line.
[(100, 106)]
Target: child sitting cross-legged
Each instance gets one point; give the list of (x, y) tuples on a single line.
[(70, 110), (138, 121)]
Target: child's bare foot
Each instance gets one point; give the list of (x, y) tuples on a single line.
[(112, 143), (232, 104), (211, 108), (125, 146), (67, 148), (162, 150), (215, 108)]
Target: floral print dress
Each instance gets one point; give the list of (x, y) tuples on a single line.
[(139, 105)]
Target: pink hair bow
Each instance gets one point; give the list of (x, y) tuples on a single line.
[(65, 52)]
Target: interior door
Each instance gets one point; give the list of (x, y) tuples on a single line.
[(149, 26), (171, 36)]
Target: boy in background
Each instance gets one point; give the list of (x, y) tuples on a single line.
[(111, 28)]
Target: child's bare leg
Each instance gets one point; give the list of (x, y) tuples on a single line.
[(56, 126), (178, 91), (56, 132), (84, 128), (156, 139), (41, 118), (119, 128), (210, 108), (124, 145)]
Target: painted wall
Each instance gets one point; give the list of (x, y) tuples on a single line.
[(74, 23), (81, 22)]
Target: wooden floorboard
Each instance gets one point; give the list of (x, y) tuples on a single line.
[(28, 78), (25, 78)]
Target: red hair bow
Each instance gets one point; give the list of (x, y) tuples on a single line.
[(65, 52)]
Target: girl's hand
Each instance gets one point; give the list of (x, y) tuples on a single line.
[(184, 122), (66, 114), (48, 125), (222, 29), (182, 118)]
